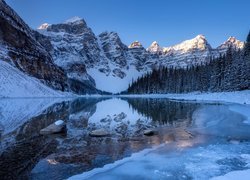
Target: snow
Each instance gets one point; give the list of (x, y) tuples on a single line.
[(241, 97), (43, 26), (242, 175), (15, 83), (231, 42), (73, 20), (199, 42), (113, 84), (59, 122), (185, 163), (154, 48)]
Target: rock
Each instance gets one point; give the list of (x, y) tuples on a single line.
[(57, 127), (99, 133), (149, 132), (120, 117)]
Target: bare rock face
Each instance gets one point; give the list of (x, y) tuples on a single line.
[(113, 48), (21, 49)]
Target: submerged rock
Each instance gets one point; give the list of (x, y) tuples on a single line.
[(57, 127), (99, 133), (149, 132)]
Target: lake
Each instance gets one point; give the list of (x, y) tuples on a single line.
[(194, 140)]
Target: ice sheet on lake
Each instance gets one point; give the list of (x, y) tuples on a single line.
[(244, 110), (196, 163), (222, 121)]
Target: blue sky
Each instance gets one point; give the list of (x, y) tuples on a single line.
[(167, 22)]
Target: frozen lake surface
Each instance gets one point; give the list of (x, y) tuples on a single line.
[(194, 140)]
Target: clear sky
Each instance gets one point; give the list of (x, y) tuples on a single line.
[(166, 21)]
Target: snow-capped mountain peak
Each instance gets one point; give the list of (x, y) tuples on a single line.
[(74, 19), (135, 44), (154, 47), (197, 43), (232, 42), (43, 26), (200, 36)]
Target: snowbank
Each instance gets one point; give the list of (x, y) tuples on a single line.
[(241, 97)]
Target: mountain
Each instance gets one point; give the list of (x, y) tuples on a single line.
[(112, 64), (31, 52), (233, 43), (106, 59), (155, 48)]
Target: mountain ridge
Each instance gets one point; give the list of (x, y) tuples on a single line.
[(107, 57)]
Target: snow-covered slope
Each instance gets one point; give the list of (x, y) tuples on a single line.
[(15, 83)]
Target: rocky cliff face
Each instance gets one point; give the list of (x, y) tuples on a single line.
[(20, 48), (74, 48)]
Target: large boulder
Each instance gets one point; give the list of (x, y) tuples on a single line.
[(57, 127), (149, 132), (99, 133)]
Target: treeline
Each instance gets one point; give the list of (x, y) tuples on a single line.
[(229, 72)]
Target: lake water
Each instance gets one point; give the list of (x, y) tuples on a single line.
[(194, 140)]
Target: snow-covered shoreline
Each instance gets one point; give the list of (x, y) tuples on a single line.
[(241, 97)]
